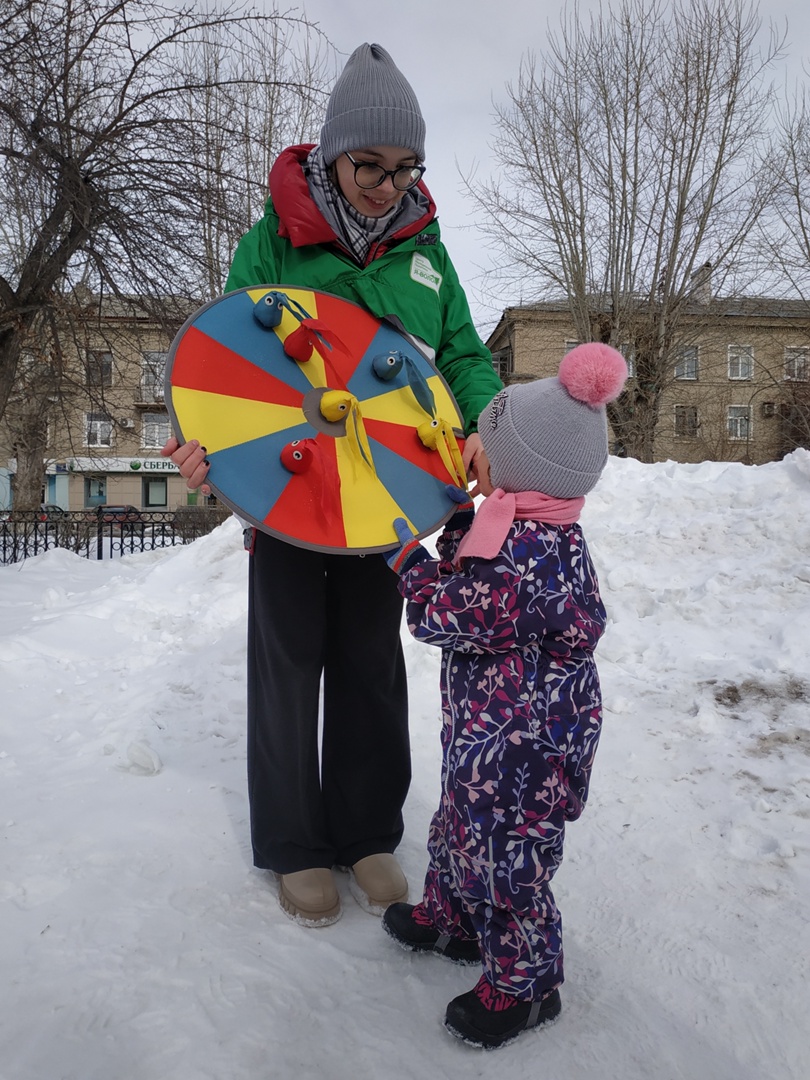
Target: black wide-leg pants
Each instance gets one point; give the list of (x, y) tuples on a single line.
[(313, 614)]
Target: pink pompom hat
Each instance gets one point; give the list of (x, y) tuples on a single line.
[(551, 435)]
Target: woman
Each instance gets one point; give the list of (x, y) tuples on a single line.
[(350, 216)]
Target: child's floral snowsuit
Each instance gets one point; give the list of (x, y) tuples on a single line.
[(521, 711)]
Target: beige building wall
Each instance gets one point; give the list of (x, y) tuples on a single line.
[(127, 489)]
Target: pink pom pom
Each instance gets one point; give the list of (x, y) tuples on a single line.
[(593, 373)]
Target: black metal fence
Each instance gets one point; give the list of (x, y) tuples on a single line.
[(24, 534)]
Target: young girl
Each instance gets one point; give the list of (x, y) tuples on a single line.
[(514, 604), (350, 216)]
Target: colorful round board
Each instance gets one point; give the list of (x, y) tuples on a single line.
[(321, 423)]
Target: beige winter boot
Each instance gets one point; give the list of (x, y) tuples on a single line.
[(309, 897), (377, 881)]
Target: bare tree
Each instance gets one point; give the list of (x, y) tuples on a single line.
[(36, 389), (240, 118), (788, 243), (786, 239), (633, 172), (134, 138)]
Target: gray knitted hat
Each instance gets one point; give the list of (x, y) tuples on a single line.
[(551, 435), (372, 104)]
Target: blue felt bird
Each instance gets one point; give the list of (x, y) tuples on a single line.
[(388, 365), (269, 309)]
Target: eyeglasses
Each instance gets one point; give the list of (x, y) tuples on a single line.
[(367, 174)]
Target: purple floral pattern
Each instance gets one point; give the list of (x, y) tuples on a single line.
[(521, 711)]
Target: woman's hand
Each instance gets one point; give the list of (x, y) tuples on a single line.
[(190, 460), (474, 459), (472, 448)]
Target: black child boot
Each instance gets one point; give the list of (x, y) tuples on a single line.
[(410, 927), (488, 1018)]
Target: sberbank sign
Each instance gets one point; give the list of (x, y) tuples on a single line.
[(97, 465), (150, 465)]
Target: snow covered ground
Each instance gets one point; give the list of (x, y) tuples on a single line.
[(138, 943)]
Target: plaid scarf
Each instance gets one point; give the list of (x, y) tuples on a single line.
[(358, 233)]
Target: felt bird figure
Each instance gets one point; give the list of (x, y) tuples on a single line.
[(300, 343), (297, 456), (387, 366), (304, 457), (312, 335), (337, 405), (438, 435), (269, 309)]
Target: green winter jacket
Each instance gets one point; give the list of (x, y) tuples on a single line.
[(409, 276)]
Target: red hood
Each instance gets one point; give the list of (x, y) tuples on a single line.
[(300, 220)]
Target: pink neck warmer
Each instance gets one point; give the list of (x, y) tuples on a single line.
[(496, 513)]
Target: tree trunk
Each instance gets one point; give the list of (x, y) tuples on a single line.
[(10, 339), (28, 494)]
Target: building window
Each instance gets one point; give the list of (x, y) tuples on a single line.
[(686, 362), (99, 429), (99, 369), (739, 422), (153, 367), (155, 429), (797, 362), (628, 351), (503, 362), (569, 345), (741, 361), (95, 491), (686, 421), (155, 492)]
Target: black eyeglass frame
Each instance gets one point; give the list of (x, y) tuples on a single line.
[(385, 172)]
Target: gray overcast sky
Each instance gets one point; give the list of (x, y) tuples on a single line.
[(458, 55)]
